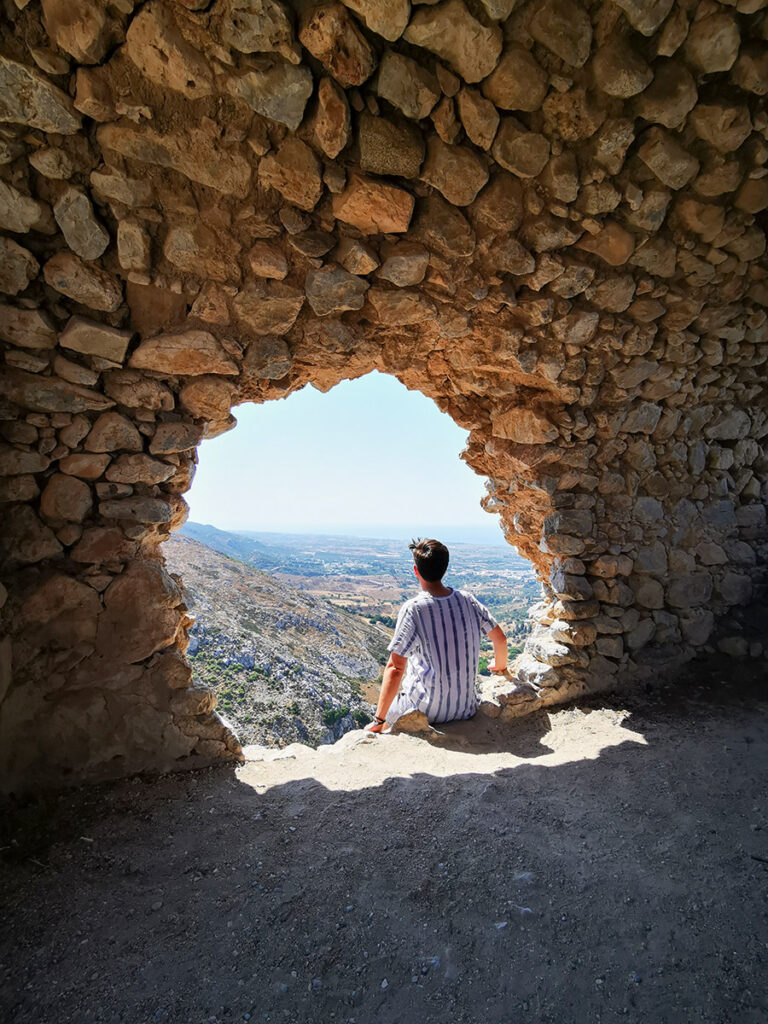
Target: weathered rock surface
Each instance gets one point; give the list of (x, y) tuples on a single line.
[(548, 218)]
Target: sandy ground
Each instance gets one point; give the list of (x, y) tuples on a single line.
[(600, 863)]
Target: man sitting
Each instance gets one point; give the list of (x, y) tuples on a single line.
[(434, 655)]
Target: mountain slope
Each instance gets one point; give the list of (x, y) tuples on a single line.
[(286, 666)]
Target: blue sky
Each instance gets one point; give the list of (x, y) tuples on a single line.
[(368, 458)]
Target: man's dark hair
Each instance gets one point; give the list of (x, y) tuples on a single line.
[(431, 558)]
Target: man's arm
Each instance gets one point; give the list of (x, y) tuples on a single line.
[(498, 638), (390, 684)]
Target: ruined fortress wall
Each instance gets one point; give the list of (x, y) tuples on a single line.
[(546, 216)]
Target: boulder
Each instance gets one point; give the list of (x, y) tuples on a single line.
[(87, 467), (524, 426), (331, 289), (172, 437), (267, 260), (450, 32), (373, 207), (162, 54), (21, 213), (518, 82), (95, 339), (522, 152), (455, 171), (389, 147), (404, 264), (563, 26), (66, 497), (407, 85), (356, 256), (87, 284), (386, 18), (670, 97), (207, 397), (112, 432), (331, 123), (49, 394), (17, 267), (24, 540), (141, 613), (268, 308), (188, 353), (443, 228), (120, 188), (133, 246), (724, 126), (713, 43), (195, 152), (138, 391), (279, 92), (28, 98), (619, 70), (139, 469), (400, 308), (268, 358), (295, 172), (670, 162), (478, 116), (26, 328), (258, 26), (612, 243), (15, 461), (137, 509), (332, 37)]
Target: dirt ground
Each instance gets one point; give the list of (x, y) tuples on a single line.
[(598, 863)]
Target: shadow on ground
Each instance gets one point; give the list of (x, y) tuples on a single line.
[(629, 887)]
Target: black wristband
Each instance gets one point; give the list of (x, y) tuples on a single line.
[(379, 721)]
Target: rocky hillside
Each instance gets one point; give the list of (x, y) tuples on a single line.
[(286, 665)]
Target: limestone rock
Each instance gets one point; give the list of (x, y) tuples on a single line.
[(479, 117), (407, 85), (259, 26), (27, 97), (455, 171), (95, 339), (713, 43), (670, 162), (24, 539), (573, 115), (524, 426), (190, 353), (17, 267), (136, 509), (141, 613), (137, 390), (518, 82), (723, 125), (389, 147), (26, 328), (15, 461), (332, 37), (449, 31), (81, 28), (386, 18), (267, 260), (20, 213), (645, 15), (373, 207), (48, 394), (52, 162), (196, 249), (195, 153), (400, 308), (751, 70), (499, 207), (404, 264), (613, 244), (173, 437), (619, 70), (112, 432), (268, 358), (82, 232), (331, 123), (121, 189), (87, 467), (89, 285), (670, 96), (279, 92), (269, 308), (512, 257), (356, 256), (563, 26), (66, 497), (295, 172), (443, 228), (159, 50), (332, 289), (522, 152), (133, 246), (139, 469)]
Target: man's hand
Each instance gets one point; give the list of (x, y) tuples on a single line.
[(375, 727), (496, 671)]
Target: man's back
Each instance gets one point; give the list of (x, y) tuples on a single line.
[(440, 637)]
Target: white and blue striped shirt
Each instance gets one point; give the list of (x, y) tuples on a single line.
[(440, 637)]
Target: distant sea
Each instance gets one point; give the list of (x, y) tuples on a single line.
[(485, 535)]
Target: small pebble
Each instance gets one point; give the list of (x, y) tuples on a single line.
[(384, 984)]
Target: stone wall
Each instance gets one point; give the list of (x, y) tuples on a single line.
[(544, 215)]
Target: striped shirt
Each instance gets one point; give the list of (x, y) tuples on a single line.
[(440, 637)]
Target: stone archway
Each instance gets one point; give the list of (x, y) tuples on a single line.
[(545, 216)]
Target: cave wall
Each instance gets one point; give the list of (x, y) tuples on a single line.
[(546, 216)]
